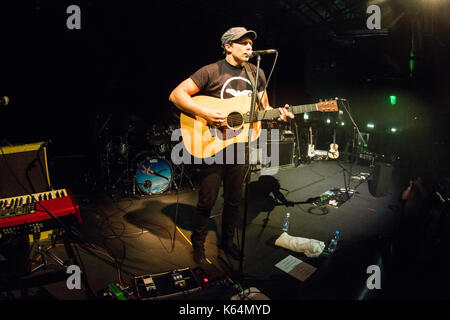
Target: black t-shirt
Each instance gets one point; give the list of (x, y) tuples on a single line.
[(222, 80)]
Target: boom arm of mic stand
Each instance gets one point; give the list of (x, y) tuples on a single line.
[(354, 123)]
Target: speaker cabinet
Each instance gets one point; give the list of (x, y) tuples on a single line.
[(23, 170), (379, 184), (285, 151)]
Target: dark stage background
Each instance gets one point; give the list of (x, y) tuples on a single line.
[(64, 84)]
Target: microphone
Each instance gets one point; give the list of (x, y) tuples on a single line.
[(45, 144), (255, 53), (4, 101)]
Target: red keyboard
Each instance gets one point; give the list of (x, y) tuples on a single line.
[(20, 215)]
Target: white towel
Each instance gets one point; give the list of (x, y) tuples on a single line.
[(310, 247)]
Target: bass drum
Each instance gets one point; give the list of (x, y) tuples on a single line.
[(154, 174)]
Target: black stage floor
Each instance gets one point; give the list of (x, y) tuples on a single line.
[(129, 237)]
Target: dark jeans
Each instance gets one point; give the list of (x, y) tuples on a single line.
[(233, 187)]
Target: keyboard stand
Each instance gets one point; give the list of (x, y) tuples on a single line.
[(45, 254)]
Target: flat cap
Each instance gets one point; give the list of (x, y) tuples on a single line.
[(236, 33)]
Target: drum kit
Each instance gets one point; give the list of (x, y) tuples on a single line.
[(140, 166)]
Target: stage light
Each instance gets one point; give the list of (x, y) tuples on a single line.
[(393, 99), (305, 116), (370, 125), (328, 121), (393, 130)]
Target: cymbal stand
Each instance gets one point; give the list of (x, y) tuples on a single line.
[(104, 151), (127, 182), (182, 175)]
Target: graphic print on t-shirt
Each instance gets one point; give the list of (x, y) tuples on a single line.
[(230, 85)]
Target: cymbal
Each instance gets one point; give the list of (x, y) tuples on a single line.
[(133, 123), (157, 140)]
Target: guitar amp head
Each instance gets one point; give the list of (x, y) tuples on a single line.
[(287, 135)]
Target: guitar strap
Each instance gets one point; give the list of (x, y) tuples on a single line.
[(252, 81)]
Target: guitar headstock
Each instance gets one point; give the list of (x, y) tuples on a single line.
[(327, 106)]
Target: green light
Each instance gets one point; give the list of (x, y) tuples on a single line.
[(328, 121), (306, 116), (370, 125), (411, 63), (393, 99), (393, 130), (342, 123)]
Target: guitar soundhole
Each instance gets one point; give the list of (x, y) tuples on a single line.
[(235, 120)]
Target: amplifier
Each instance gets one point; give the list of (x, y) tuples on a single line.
[(23, 166), (379, 185), (285, 151)]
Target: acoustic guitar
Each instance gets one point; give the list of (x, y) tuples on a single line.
[(203, 141), (333, 153)]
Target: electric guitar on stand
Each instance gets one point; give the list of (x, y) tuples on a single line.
[(311, 152), (333, 153), (203, 141)]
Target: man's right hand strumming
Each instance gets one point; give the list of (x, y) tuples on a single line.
[(214, 118)]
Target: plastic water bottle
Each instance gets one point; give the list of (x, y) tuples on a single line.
[(286, 221), (333, 242)]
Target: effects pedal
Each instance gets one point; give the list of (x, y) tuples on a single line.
[(166, 284)]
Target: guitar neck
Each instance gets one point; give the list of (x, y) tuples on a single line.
[(275, 113)]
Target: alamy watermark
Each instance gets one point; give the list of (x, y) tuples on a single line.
[(258, 150), (374, 280), (74, 20), (374, 20), (74, 280)]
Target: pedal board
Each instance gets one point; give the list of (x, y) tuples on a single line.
[(334, 197), (166, 285)]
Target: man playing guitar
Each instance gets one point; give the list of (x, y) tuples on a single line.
[(226, 78)]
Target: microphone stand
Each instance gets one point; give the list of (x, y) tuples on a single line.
[(354, 154), (247, 157)]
